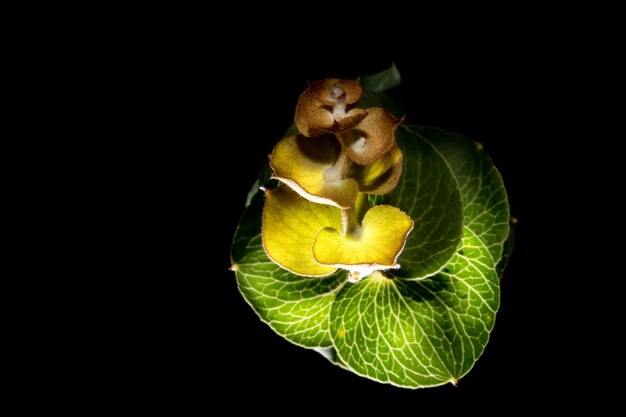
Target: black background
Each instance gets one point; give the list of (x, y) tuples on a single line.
[(223, 114)]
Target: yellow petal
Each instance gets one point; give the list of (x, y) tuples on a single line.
[(300, 162), (361, 207), (372, 137), (382, 175), (375, 246), (290, 224)]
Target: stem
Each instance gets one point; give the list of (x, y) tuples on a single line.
[(340, 168), (350, 222)]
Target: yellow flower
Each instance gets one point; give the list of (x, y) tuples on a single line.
[(332, 169), (315, 239), (320, 220)]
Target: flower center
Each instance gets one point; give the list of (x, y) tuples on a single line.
[(339, 97)]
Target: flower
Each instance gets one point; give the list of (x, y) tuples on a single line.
[(320, 219), (316, 239), (332, 169), (328, 106)]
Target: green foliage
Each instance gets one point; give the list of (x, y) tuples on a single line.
[(429, 194), (383, 81), (419, 333)]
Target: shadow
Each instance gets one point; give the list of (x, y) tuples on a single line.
[(322, 149), (423, 290)]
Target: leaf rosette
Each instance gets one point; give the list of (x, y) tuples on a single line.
[(381, 244)]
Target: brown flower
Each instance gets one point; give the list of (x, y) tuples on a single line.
[(328, 106)]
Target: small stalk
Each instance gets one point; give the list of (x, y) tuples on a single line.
[(341, 167), (350, 222)]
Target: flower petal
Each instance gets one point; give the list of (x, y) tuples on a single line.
[(375, 246), (372, 137), (381, 176), (312, 117), (353, 118), (290, 224), (300, 163), (322, 90), (326, 106)]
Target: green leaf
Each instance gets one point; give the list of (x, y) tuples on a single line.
[(264, 176), (371, 99), (428, 193), (382, 81), (374, 200), (296, 307), (419, 333), (485, 203), (507, 249), (330, 353)]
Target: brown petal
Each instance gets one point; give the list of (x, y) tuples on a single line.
[(352, 88), (326, 106), (372, 137), (311, 117), (322, 90), (353, 118)]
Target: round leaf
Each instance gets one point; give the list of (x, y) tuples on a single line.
[(296, 307), (419, 333), (428, 193), (485, 203)]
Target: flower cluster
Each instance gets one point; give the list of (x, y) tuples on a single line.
[(321, 218)]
